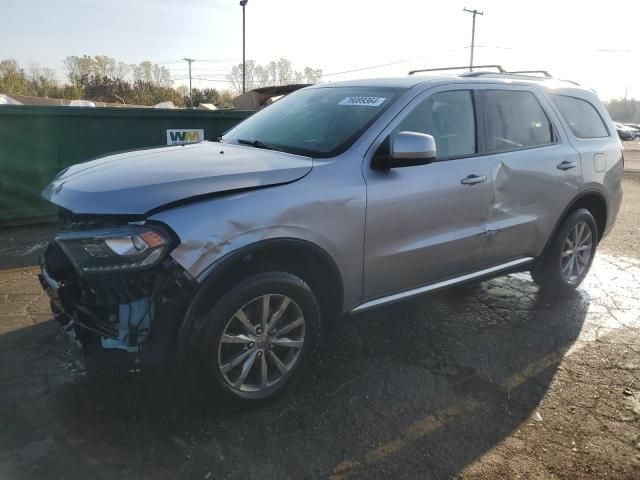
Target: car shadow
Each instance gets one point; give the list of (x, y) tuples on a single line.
[(418, 389)]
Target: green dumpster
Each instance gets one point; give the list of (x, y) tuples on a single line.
[(38, 142)]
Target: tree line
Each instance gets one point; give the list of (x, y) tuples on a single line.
[(624, 110), (106, 79), (279, 72)]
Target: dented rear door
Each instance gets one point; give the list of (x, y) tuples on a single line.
[(535, 173)]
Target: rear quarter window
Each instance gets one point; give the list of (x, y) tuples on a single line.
[(581, 116)]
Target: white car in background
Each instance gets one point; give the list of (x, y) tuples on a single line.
[(626, 133), (634, 126)]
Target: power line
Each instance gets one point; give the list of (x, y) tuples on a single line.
[(397, 62), (172, 62), (222, 60), (203, 79), (179, 71), (367, 68)]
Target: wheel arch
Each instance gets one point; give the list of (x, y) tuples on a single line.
[(299, 257), (594, 201)]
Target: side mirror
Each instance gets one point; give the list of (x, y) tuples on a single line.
[(409, 149)]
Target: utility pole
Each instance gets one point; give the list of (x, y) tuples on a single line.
[(473, 34), (190, 61), (243, 3)]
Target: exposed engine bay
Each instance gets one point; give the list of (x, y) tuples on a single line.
[(118, 306)]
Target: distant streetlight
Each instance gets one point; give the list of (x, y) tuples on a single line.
[(243, 3)]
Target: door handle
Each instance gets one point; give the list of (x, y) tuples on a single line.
[(566, 165), (473, 179)]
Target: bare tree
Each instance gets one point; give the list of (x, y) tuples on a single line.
[(36, 72), (142, 71), (236, 76), (285, 72), (152, 73), (121, 70), (42, 80), (272, 68), (161, 76), (262, 76), (272, 73), (312, 75)]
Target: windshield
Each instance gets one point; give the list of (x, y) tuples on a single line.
[(319, 122)]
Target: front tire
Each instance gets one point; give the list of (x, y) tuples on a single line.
[(258, 339), (568, 259)]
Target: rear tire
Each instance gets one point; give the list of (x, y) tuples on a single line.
[(258, 340), (568, 258)]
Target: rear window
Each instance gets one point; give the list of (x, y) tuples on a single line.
[(582, 117), (515, 120)]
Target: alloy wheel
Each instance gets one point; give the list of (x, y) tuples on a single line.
[(576, 252), (261, 343)]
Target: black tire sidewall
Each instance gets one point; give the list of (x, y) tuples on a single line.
[(549, 273), (219, 315)]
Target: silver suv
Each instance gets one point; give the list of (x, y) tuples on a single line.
[(235, 255)]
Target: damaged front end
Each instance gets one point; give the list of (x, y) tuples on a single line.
[(112, 283)]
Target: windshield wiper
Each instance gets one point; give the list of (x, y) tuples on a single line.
[(258, 144)]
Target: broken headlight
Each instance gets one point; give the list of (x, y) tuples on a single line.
[(121, 249)]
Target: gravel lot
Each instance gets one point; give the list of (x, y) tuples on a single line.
[(491, 381), (632, 156)]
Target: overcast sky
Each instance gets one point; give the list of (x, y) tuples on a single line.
[(595, 43)]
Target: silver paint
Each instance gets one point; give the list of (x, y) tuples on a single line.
[(443, 284), (137, 182), (388, 231)]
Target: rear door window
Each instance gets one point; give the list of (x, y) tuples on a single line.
[(515, 120), (582, 117), (450, 118)]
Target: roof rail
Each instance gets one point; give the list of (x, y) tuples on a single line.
[(523, 74), (501, 72), (544, 73), (497, 67)]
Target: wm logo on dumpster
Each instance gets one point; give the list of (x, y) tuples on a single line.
[(185, 135)]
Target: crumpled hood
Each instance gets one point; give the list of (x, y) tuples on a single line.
[(136, 182)]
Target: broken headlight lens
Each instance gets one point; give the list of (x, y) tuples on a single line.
[(115, 250)]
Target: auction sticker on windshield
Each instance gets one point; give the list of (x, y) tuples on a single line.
[(365, 101)]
